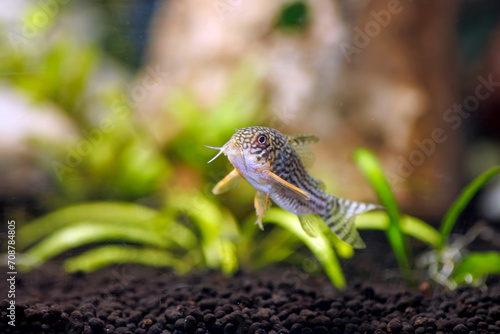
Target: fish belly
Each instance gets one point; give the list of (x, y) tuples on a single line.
[(258, 182)]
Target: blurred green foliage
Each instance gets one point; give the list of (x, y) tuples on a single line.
[(125, 196), (294, 16)]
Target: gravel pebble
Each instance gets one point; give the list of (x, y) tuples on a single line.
[(144, 300)]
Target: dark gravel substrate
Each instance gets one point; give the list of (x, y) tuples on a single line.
[(282, 300)]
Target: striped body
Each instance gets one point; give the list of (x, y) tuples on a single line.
[(261, 155)]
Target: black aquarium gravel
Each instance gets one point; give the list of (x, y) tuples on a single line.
[(134, 299)]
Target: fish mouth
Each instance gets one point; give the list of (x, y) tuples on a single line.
[(232, 150)]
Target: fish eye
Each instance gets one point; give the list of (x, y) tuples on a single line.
[(262, 139)]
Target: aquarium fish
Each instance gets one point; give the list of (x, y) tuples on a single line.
[(275, 165)]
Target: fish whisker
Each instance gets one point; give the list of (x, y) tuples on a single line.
[(221, 150), (214, 147)]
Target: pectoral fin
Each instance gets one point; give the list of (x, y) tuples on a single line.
[(229, 182), (308, 223), (287, 188), (261, 203)]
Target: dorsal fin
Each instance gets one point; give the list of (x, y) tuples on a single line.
[(302, 146), (321, 185)]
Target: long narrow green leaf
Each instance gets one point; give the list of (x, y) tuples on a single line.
[(320, 246), (114, 254), (461, 202), (411, 226), (371, 169), (115, 213), (90, 232)]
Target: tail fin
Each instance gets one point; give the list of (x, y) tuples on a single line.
[(340, 219)]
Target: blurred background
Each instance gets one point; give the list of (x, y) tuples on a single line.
[(115, 100)]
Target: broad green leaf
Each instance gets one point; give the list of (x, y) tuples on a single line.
[(90, 232), (108, 213), (461, 202), (113, 254), (475, 265)]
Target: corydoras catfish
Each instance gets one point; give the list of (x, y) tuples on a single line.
[(275, 165)]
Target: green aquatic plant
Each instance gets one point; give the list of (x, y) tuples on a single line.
[(194, 231), (461, 202), (445, 263), (188, 229), (108, 151), (320, 246), (372, 170), (449, 263), (191, 232), (473, 267), (111, 155), (132, 233)]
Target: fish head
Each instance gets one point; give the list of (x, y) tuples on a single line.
[(252, 149)]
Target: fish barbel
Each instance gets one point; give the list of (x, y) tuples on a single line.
[(275, 165)]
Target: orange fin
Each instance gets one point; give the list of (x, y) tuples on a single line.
[(229, 182), (288, 187), (261, 203)]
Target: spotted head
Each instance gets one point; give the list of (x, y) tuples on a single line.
[(252, 148)]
